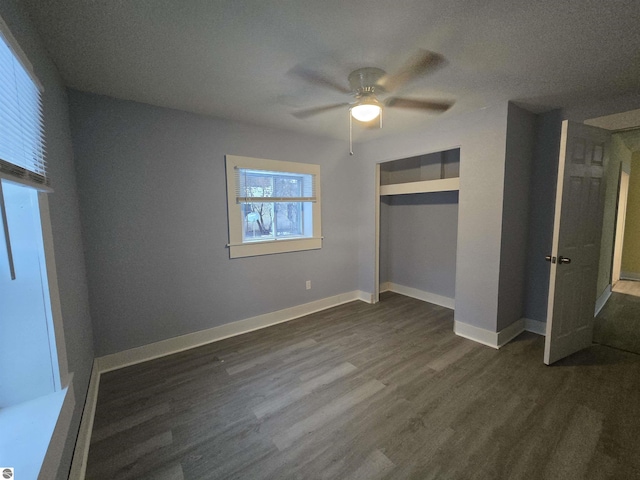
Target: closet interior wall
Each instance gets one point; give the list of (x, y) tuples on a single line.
[(418, 231)]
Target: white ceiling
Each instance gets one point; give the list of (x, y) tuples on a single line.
[(230, 58), (618, 121)]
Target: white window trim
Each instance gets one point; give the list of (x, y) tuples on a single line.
[(238, 249), (61, 373)]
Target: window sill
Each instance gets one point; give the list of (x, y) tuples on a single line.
[(274, 246), (27, 430)]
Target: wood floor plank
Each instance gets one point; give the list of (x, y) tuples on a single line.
[(453, 355), (327, 413), (375, 466), (114, 465), (128, 422), (572, 454), (618, 323), (173, 472), (297, 393), (369, 391), (281, 352)]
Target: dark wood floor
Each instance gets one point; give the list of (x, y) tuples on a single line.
[(370, 392), (618, 323)]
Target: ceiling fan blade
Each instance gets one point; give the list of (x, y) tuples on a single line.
[(399, 102), (315, 110), (318, 79), (420, 64)]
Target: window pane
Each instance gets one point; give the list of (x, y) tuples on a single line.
[(288, 186), (289, 219), (257, 221), (27, 356), (257, 185)]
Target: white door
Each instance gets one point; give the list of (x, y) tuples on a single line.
[(584, 152)]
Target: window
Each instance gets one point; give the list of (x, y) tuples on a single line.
[(36, 390), (29, 366), (274, 206)]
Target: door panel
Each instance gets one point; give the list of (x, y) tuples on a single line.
[(577, 229)]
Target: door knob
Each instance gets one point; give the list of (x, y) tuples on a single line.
[(551, 259), (562, 259)]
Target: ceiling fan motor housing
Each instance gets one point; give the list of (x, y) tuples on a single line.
[(365, 80)]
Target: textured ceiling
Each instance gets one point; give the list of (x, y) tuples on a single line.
[(230, 58)]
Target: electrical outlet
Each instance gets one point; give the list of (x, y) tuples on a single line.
[(308, 284)]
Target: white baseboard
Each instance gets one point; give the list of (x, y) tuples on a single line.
[(203, 337), (81, 452), (365, 297), (441, 300), (385, 287), (602, 299), (487, 337), (630, 276), (512, 331), (535, 326), (476, 334)]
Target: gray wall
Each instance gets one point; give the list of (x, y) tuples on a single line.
[(419, 249), (481, 136), (515, 215), (65, 217), (544, 176), (154, 211)]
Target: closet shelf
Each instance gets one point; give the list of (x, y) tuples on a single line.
[(425, 186)]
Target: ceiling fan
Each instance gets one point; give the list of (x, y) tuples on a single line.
[(368, 83)]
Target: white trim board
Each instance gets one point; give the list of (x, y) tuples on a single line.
[(424, 186), (434, 298), (365, 297), (602, 299), (630, 276), (81, 451), (487, 337)]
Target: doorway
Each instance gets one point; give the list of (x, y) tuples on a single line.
[(618, 322)]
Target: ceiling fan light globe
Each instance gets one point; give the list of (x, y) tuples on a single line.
[(365, 112)]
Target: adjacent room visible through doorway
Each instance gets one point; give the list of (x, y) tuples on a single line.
[(618, 323)]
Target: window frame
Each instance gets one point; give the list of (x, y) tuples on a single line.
[(239, 248)]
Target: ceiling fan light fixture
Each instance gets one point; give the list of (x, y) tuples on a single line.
[(366, 111)]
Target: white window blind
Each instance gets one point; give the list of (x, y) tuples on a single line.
[(22, 148), (293, 187)]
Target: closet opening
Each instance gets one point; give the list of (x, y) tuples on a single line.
[(417, 226)]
